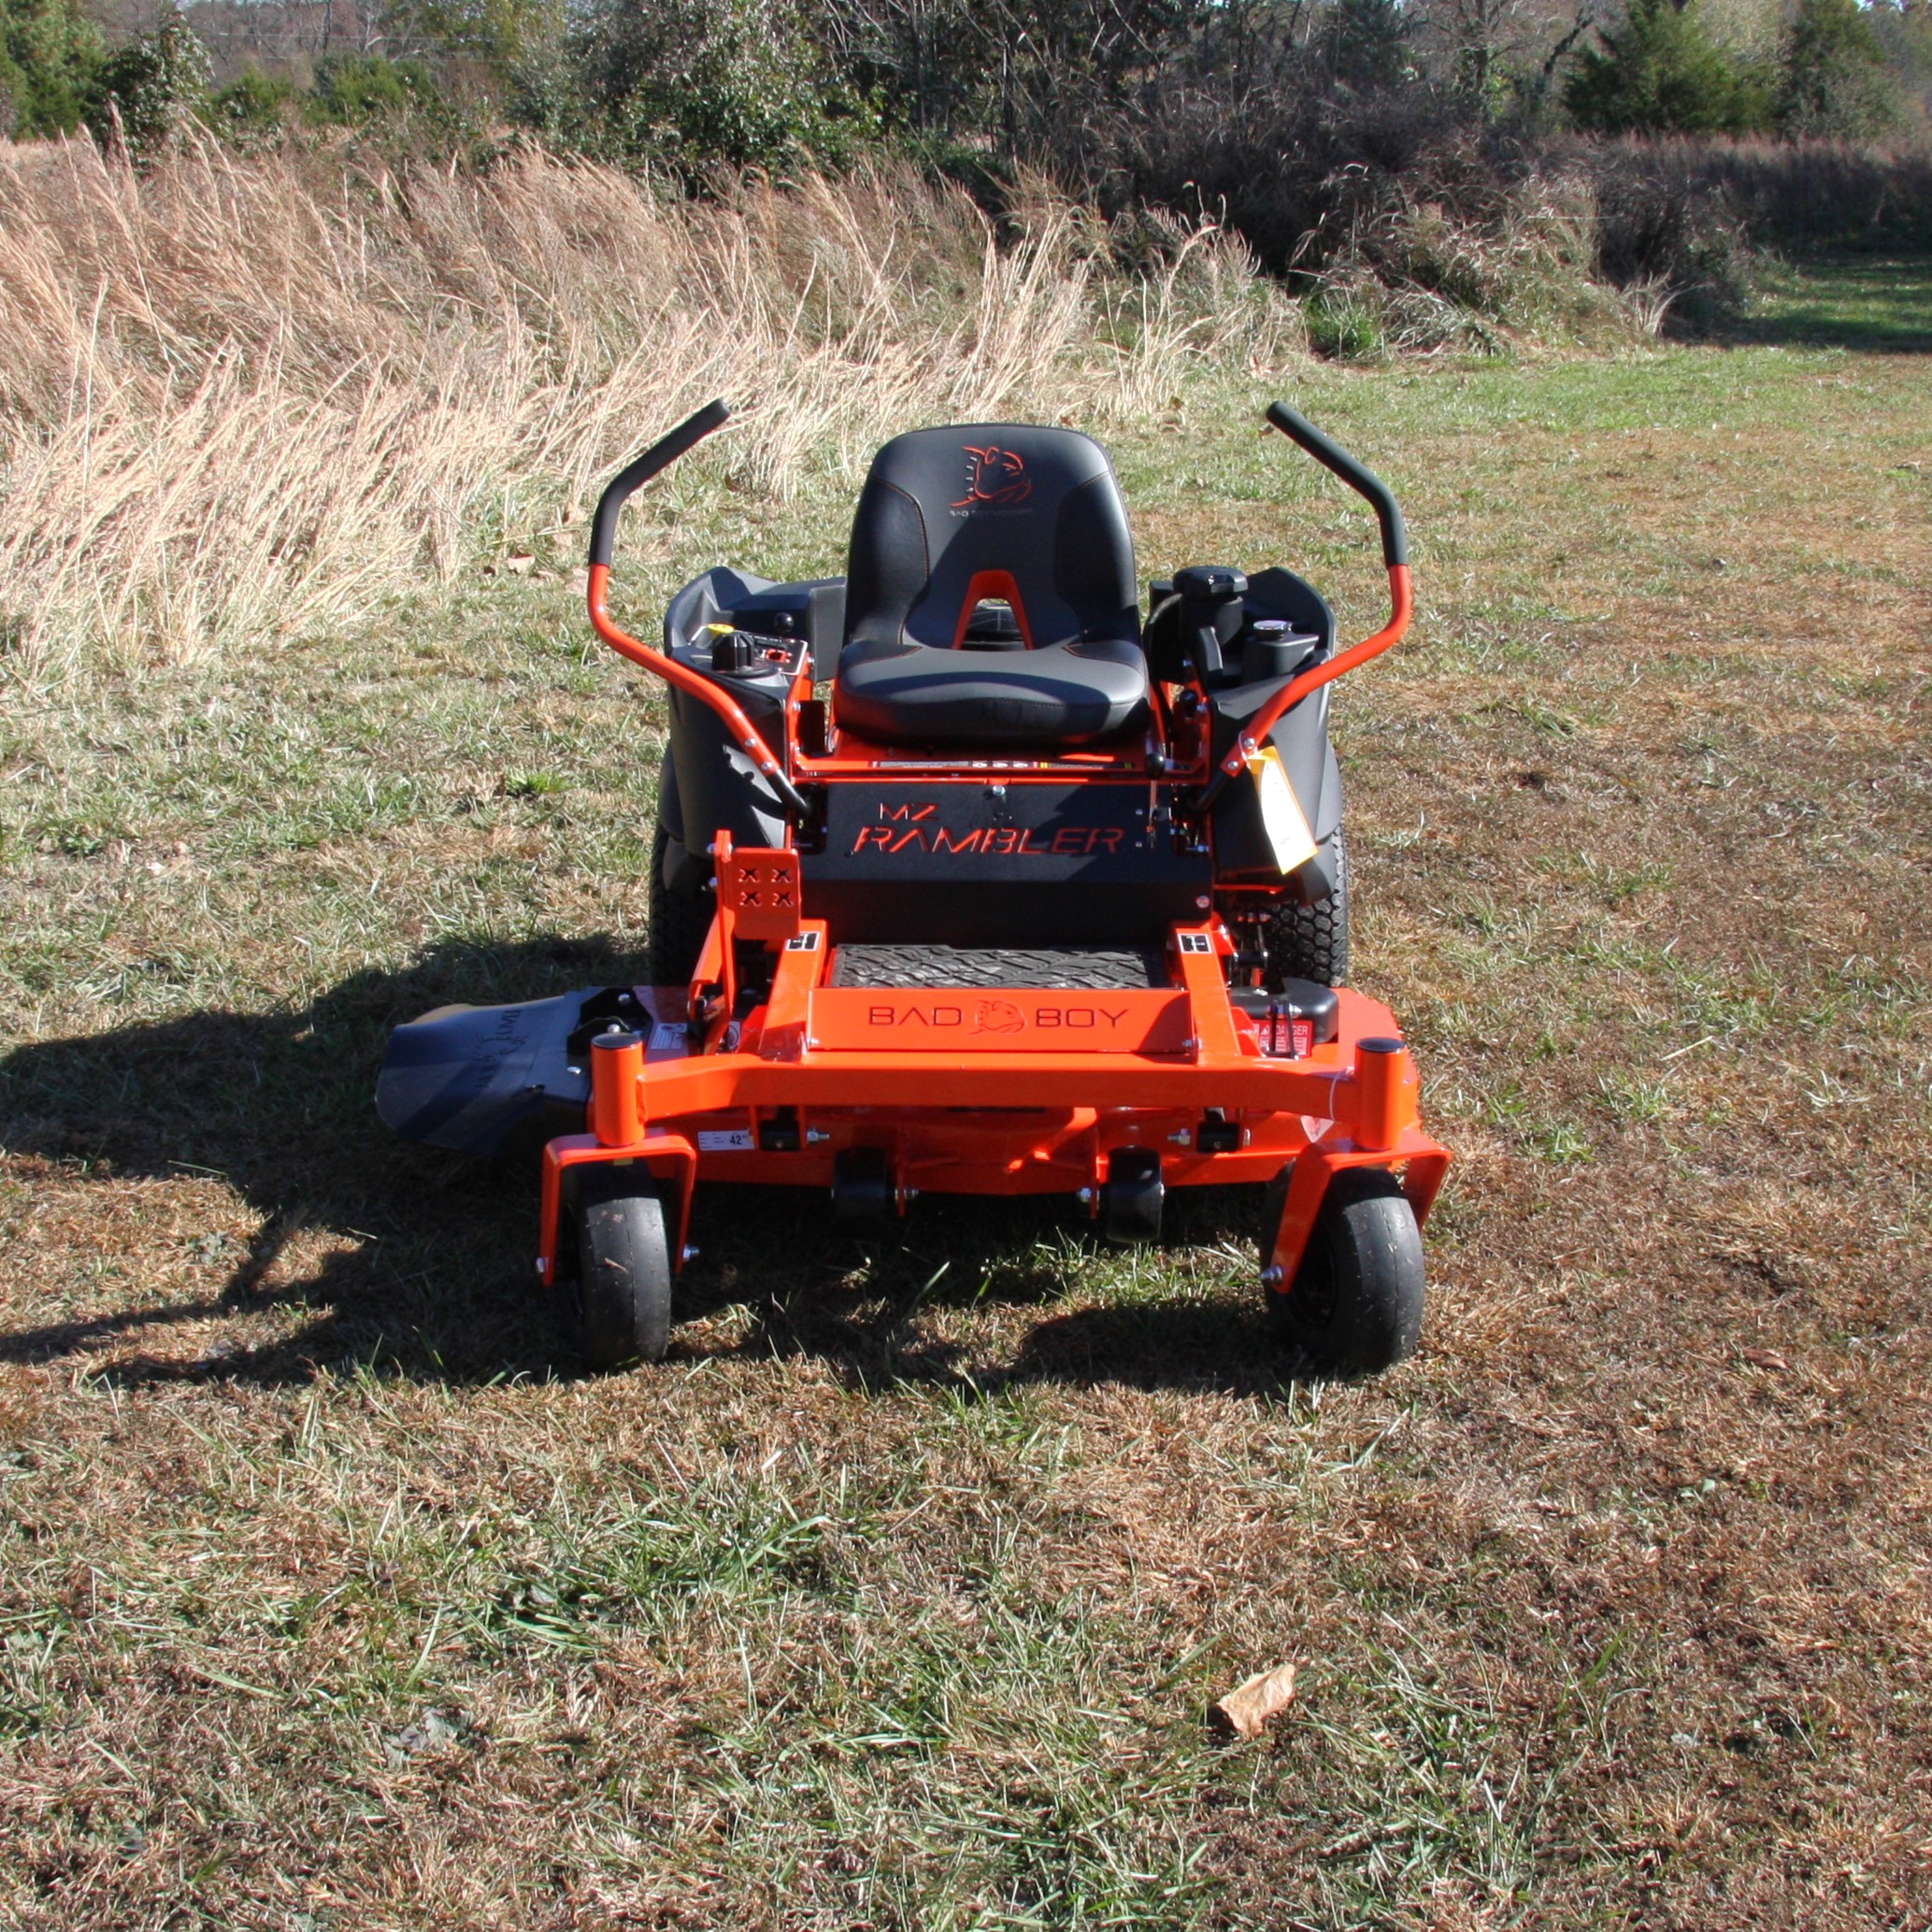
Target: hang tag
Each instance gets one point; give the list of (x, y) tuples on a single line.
[(1288, 834)]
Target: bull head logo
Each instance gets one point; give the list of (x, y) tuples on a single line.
[(998, 1016), (995, 476)]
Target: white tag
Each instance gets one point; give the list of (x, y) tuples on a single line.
[(1288, 834), (665, 1035), (724, 1140)]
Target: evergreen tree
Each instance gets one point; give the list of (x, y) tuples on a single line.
[(1662, 73), (1833, 79), (49, 53), (1364, 44)]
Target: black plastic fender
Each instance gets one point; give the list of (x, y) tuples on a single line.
[(469, 1077)]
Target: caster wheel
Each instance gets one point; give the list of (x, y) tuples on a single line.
[(624, 1262), (862, 1184), (1131, 1198), (1355, 1305)]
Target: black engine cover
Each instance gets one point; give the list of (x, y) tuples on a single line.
[(1001, 863)]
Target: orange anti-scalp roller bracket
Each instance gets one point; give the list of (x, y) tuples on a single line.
[(1378, 1124)]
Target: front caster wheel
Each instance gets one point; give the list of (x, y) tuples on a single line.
[(1355, 1305), (624, 1260)]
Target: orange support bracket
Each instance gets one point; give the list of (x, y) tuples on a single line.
[(760, 897), (668, 1157), (1198, 950), (760, 886), (1426, 1162)]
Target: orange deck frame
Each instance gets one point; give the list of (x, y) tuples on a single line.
[(1003, 1091)]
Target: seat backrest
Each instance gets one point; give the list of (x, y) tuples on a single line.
[(991, 510)]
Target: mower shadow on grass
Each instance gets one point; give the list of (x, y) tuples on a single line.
[(1196, 1347), (866, 1303), (418, 1263), (423, 1268)]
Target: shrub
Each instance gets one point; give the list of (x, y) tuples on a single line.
[(1519, 262), (697, 83), (1662, 73), (251, 105), (1345, 324), (150, 90), (352, 89), (1664, 221)]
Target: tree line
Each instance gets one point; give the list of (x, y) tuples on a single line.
[(1254, 109)]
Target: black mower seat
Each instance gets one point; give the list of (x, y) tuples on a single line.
[(951, 525)]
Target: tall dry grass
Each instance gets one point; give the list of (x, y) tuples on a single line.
[(246, 397), (1795, 194), (1515, 264)]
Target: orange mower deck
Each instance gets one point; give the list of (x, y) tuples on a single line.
[(1015, 1091)]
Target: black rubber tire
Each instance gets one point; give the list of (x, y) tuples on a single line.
[(679, 922), (624, 1257), (862, 1186), (1310, 942), (1132, 1196), (1355, 1306)]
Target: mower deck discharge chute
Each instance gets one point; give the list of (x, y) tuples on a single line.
[(966, 879)]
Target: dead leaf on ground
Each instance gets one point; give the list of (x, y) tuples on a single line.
[(518, 566), (1767, 1358), (1245, 1713)]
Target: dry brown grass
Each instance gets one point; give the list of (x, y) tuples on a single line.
[(1787, 195), (331, 1594), (1416, 276), (247, 396)]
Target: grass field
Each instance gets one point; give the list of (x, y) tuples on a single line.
[(333, 1594)]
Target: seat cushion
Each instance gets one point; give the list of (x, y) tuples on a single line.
[(956, 528), (1071, 693)]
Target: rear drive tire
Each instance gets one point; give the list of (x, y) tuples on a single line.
[(624, 1261), (1310, 942), (680, 921), (1355, 1305)]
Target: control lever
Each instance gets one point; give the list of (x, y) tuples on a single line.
[(1211, 614)]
